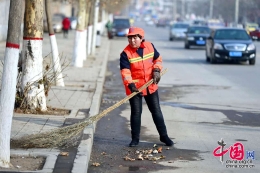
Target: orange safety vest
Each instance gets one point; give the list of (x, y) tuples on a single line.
[(141, 68)]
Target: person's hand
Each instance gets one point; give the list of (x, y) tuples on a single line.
[(156, 75), (132, 87)]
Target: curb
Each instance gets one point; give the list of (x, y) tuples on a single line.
[(81, 161)]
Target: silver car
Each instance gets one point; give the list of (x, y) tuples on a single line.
[(178, 30)]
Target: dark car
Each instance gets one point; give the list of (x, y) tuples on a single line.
[(196, 36), (161, 23), (231, 44), (121, 26)]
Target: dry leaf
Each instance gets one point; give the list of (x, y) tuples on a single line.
[(140, 157), (95, 164), (128, 158), (159, 149), (162, 157), (154, 145), (103, 153), (155, 151), (64, 153), (170, 162)]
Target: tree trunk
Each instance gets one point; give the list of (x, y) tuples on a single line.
[(55, 52), (90, 25), (95, 22), (80, 43), (8, 87), (32, 79), (88, 6)]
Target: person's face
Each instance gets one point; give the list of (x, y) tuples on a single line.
[(134, 41)]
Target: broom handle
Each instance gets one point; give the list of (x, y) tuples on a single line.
[(100, 115)]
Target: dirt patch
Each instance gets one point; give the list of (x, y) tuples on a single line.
[(50, 111), (25, 163)]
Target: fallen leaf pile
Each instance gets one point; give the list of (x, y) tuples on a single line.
[(148, 154)]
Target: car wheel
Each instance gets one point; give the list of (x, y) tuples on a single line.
[(171, 39), (187, 46), (252, 61)]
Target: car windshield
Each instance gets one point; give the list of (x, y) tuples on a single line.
[(122, 23), (231, 35), (199, 30), (180, 25)]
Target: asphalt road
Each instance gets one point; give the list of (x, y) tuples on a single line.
[(201, 103)]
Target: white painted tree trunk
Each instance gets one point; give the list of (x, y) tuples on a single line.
[(79, 48), (95, 22), (7, 99), (84, 44), (32, 71), (56, 62), (89, 38), (9, 77), (80, 42)]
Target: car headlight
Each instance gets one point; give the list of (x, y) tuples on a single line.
[(218, 46), (251, 47), (190, 38)]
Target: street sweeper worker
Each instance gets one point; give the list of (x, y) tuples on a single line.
[(139, 63)]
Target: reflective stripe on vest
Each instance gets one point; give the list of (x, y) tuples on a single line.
[(141, 67)]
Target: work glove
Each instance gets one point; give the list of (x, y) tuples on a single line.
[(156, 75), (133, 88)]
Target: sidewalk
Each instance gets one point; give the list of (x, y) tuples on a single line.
[(82, 95)]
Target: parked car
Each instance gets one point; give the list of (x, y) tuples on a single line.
[(121, 26), (230, 44), (196, 36), (177, 31)]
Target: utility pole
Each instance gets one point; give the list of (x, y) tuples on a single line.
[(183, 8), (211, 9), (236, 11), (174, 9)]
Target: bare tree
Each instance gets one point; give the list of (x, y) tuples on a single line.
[(8, 87), (55, 52), (32, 79)]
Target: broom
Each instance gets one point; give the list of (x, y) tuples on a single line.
[(64, 135)]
